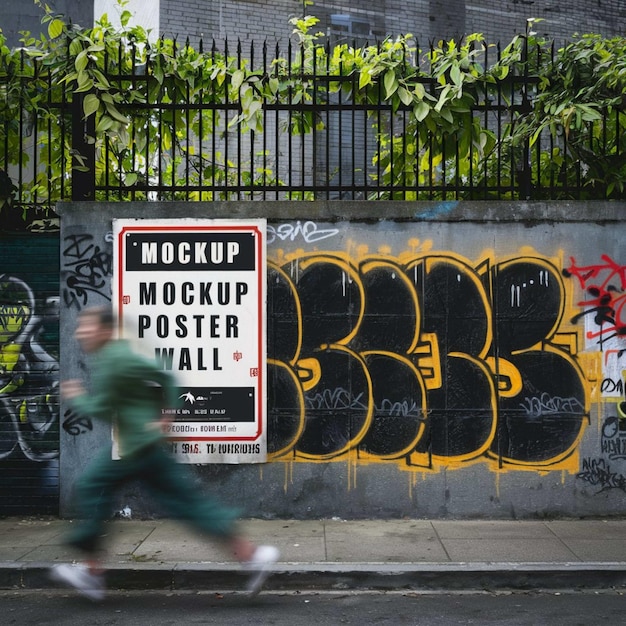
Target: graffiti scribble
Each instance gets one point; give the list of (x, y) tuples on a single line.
[(75, 425), (399, 409), (335, 399), (615, 449), (605, 286), (309, 231), (613, 441), (598, 472), (551, 405), (612, 386), (86, 268)]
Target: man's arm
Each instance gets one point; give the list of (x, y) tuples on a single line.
[(97, 402)]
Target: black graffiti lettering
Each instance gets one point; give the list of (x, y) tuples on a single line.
[(339, 407), (604, 284), (445, 359), (86, 268), (613, 440), (612, 386), (455, 309), (598, 473), (614, 448), (286, 416), (75, 425), (528, 300), (399, 416), (601, 315)]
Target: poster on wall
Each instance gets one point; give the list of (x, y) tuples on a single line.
[(192, 294)]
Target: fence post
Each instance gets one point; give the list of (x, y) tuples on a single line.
[(83, 151), (525, 174)]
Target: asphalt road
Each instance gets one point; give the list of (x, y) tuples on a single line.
[(315, 609)]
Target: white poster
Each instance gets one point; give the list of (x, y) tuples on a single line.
[(192, 294)]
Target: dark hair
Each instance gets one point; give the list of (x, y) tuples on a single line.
[(104, 314)]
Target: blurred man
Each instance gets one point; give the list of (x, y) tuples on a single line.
[(129, 391)]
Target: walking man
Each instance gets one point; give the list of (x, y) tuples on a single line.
[(129, 391)]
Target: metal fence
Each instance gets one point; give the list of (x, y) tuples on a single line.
[(325, 146)]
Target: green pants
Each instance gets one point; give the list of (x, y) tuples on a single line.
[(170, 483)]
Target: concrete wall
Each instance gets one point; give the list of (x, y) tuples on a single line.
[(468, 358)]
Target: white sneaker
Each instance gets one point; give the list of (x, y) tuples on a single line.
[(261, 563), (80, 578)]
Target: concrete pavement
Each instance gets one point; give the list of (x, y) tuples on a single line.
[(333, 554)]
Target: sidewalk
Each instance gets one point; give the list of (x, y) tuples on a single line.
[(338, 555)]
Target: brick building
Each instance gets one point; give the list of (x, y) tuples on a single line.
[(498, 20)]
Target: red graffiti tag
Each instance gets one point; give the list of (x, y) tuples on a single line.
[(605, 286)]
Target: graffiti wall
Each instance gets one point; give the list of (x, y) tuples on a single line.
[(428, 367), (432, 359), (29, 374)]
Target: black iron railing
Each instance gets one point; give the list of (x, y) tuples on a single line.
[(318, 143)]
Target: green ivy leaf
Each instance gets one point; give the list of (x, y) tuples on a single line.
[(85, 82), (254, 106), (55, 28), (421, 110), (456, 75), (125, 18), (91, 104), (405, 96), (81, 61), (103, 82), (237, 79), (443, 97), (391, 84), (104, 123), (115, 114), (419, 91)]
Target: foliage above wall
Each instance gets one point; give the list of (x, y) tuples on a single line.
[(567, 105)]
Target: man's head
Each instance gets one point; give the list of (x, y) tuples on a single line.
[(95, 328)]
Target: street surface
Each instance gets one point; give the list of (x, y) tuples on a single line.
[(318, 609)]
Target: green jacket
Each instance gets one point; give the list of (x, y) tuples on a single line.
[(129, 391)]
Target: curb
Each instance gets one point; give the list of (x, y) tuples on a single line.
[(289, 577)]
